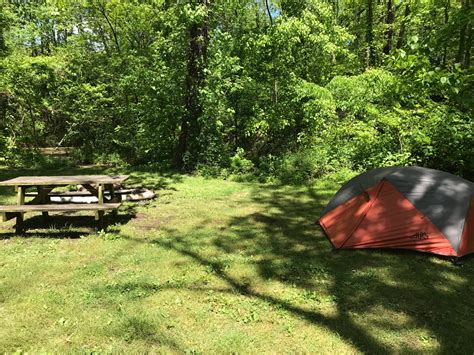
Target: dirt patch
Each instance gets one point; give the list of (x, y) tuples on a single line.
[(140, 216), (145, 222)]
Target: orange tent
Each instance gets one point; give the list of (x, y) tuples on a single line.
[(403, 207)]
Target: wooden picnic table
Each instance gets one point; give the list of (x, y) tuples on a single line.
[(94, 184)]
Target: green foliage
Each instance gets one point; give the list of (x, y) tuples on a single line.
[(304, 165), (380, 124), (359, 95), (292, 91), (239, 164)]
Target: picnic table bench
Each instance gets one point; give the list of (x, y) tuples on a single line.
[(95, 185)]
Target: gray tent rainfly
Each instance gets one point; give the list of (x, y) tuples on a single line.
[(403, 207)]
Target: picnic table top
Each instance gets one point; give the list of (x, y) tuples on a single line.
[(64, 180), (59, 207)]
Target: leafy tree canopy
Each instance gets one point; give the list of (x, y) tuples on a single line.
[(286, 88)]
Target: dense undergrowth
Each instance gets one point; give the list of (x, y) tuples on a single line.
[(291, 91)]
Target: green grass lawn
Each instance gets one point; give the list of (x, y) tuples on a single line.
[(214, 266)]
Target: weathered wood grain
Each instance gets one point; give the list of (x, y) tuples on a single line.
[(64, 180), (58, 207)]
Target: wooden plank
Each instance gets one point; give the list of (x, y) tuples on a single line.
[(100, 196), (64, 180), (42, 196), (83, 193), (110, 188), (91, 190), (20, 195), (20, 201), (6, 216), (58, 207), (55, 151)]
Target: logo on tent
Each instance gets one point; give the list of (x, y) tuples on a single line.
[(420, 236)]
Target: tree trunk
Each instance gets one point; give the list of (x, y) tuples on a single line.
[(103, 11), (335, 9), (197, 57), (3, 25), (389, 20), (465, 38), (467, 56), (369, 35), (401, 34), (269, 13), (3, 46), (463, 34), (462, 44), (3, 110), (446, 20)]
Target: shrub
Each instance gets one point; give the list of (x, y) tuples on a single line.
[(239, 164), (304, 165)]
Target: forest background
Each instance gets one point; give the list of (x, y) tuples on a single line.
[(284, 89)]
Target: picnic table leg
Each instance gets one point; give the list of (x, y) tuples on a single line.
[(99, 216), (20, 200), (43, 199), (111, 189)]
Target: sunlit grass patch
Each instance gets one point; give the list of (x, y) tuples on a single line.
[(222, 266)]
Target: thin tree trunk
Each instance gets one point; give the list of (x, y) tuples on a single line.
[(401, 34), (446, 20), (3, 110), (369, 35), (275, 80), (462, 35), (3, 47), (389, 20), (103, 11), (462, 44), (335, 9), (467, 55), (197, 58), (3, 27), (267, 5), (465, 38)]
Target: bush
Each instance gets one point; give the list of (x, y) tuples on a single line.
[(304, 165), (357, 95), (239, 164)]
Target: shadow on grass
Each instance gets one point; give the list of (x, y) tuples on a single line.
[(138, 327), (369, 288), (66, 226), (48, 234), (418, 285), (154, 179)]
